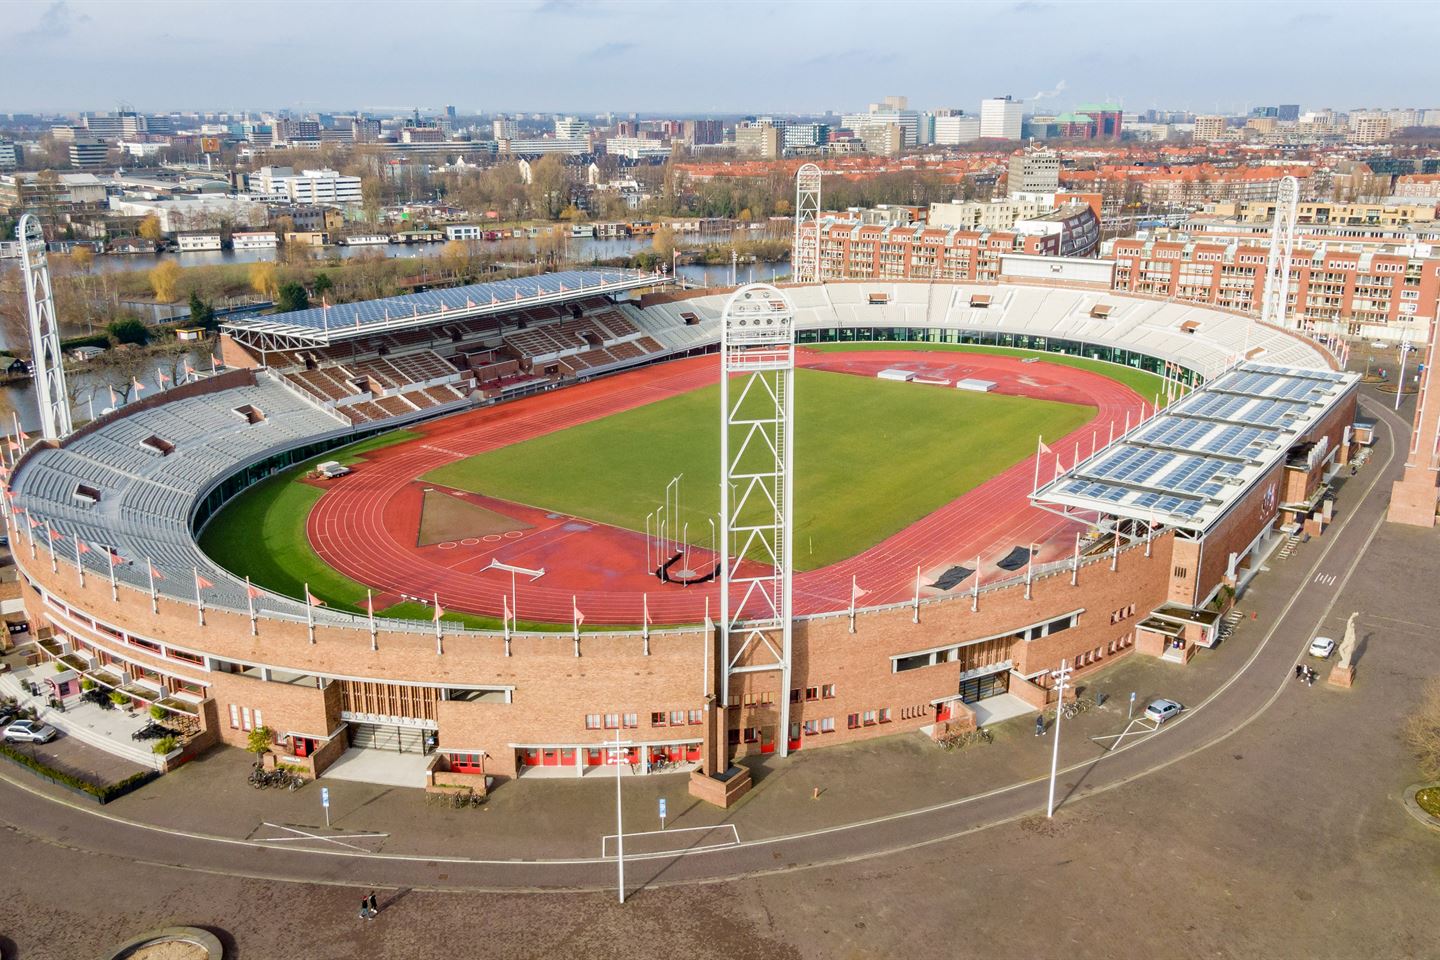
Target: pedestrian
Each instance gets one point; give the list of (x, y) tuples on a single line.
[(1040, 726), (364, 908), (1313, 675), (374, 907), (1354, 469), (1298, 669)]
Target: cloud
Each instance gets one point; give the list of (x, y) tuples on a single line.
[(1050, 94), (56, 22), (852, 58), (613, 49)]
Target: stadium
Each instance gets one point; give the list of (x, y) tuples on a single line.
[(520, 573)]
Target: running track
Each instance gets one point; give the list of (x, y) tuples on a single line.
[(353, 526)]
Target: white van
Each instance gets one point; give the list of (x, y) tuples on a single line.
[(331, 469)]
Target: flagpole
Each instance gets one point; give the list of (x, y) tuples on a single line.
[(370, 607), (975, 587), (199, 601), (250, 606), (309, 614), (114, 589), (154, 597), (50, 538), (1029, 569), (505, 621), (645, 624), (79, 567), (854, 586), (915, 617), (1075, 564), (1036, 486), (439, 640)]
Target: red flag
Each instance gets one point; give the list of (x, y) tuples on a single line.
[(215, 361), (156, 573), (253, 593), (1044, 448), (56, 535), (439, 610), (202, 583), (855, 592), (81, 546), (470, 304), (138, 385), (161, 375), (313, 600), (579, 617), (12, 444), (112, 395), (23, 434), (562, 288), (34, 523), (114, 557), (370, 604)]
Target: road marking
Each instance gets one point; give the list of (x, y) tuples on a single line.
[(700, 846), (1326, 579), (303, 835)]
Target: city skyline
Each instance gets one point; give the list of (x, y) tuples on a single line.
[(327, 60)]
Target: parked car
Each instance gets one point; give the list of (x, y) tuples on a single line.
[(1322, 647), (29, 731), (1379, 344), (1162, 710), (7, 713)]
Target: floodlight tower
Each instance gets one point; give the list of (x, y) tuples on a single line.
[(45, 355), (1282, 249), (757, 417), (805, 251)]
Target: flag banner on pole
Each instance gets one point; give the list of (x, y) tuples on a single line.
[(201, 583), (855, 592), (439, 610), (114, 557), (251, 591), (645, 598), (1045, 448), (81, 546), (313, 600), (579, 617), (139, 387), (56, 535), (156, 573), (23, 435)]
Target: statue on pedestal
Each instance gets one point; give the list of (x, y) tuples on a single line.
[(1343, 673)]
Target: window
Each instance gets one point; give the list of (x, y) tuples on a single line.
[(244, 718), (812, 693), (869, 718), (657, 719), (465, 762), (752, 734), (592, 721), (852, 721), (632, 720), (827, 724), (258, 721), (677, 718), (812, 727), (234, 717), (827, 691), (795, 696), (695, 716), (884, 714), (612, 721)]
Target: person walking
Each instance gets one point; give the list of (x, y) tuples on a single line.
[(364, 908), (1040, 725), (374, 907)]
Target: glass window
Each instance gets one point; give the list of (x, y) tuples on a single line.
[(592, 721), (612, 721)]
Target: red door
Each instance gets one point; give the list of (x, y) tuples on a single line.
[(594, 757), (567, 756), (794, 743), (551, 757), (942, 713), (692, 752), (531, 758), (767, 740)]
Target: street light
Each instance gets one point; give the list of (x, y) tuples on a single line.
[(1061, 676)]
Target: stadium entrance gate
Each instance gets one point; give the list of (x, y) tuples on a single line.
[(396, 738)]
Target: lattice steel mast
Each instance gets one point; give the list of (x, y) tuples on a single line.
[(757, 416), (805, 251), (45, 355), (1282, 250)]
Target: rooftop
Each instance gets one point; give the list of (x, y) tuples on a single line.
[(1187, 466)]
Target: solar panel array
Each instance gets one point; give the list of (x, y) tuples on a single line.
[(476, 297), (1203, 452)]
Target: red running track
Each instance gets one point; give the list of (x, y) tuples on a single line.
[(366, 525)]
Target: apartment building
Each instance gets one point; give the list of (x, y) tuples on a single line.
[(1034, 171), (1209, 128), (284, 185), (759, 139), (1348, 292), (853, 250), (1325, 212)]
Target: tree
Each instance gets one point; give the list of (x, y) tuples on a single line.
[(129, 330), (371, 197), (292, 296), (263, 279), (82, 258), (455, 258), (1422, 731), (150, 228), (259, 742), (201, 313), (663, 242), (322, 284), (549, 186), (165, 281)]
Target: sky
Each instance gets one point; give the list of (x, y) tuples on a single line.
[(703, 57)]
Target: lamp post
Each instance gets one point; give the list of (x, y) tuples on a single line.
[(619, 820), (1061, 676)]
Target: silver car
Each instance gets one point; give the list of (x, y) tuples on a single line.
[(1162, 710), (29, 731)]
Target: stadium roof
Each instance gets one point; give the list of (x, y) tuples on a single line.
[(1187, 466), (329, 324)]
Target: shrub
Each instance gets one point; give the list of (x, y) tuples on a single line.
[(60, 666), (292, 297), (87, 684), (103, 792), (164, 745), (259, 741), (129, 330), (157, 712), (119, 699)]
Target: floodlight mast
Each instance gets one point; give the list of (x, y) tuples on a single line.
[(48, 362), (757, 416), (1276, 304), (805, 250)]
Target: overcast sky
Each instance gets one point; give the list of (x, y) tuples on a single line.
[(697, 57)]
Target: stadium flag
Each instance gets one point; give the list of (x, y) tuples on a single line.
[(139, 387), (215, 363), (114, 558), (916, 617), (54, 534), (855, 594), (645, 621), (113, 401), (313, 600), (439, 612), (505, 619), (160, 378), (80, 567), (81, 546), (189, 371), (469, 303), (200, 584), (250, 594), (309, 614), (562, 288), (579, 617), (370, 611), (1040, 448), (975, 587), (24, 437), (494, 300)]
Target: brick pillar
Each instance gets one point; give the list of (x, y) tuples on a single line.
[(1413, 497)]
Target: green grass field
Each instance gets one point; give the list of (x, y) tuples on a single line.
[(871, 457), (261, 533)]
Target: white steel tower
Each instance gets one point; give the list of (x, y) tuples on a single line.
[(1282, 249), (45, 355), (757, 416), (805, 251)]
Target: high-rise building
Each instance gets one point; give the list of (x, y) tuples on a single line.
[(1034, 171), (88, 152), (759, 139), (704, 132), (1288, 112), (1369, 128), (504, 128), (9, 155), (1208, 128), (890, 110), (801, 136), (449, 113), (569, 128), (1001, 118), (956, 128)]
